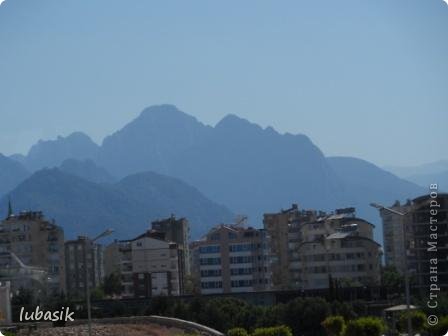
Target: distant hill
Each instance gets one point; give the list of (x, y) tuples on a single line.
[(365, 183), (51, 153), (425, 174), (84, 207), (250, 169), (88, 170), (11, 174), (424, 169), (424, 180)]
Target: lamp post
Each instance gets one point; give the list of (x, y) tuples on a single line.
[(406, 272), (86, 276)]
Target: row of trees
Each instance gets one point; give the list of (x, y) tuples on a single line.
[(302, 316)]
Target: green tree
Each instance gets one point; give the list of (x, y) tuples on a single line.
[(440, 328), (391, 279), (237, 332), (97, 293), (334, 325), (365, 326), (418, 321), (273, 331), (112, 284)]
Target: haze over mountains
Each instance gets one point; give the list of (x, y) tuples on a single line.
[(128, 206), (236, 163), (424, 175)]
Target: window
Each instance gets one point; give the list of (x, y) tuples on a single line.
[(241, 247), (210, 261), (210, 273), (211, 284), (241, 283), (232, 235), (209, 249)]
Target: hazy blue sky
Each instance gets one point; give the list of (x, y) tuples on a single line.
[(360, 78)]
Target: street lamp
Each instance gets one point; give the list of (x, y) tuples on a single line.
[(86, 276), (406, 273)]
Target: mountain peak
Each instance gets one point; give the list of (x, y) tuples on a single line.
[(233, 122)]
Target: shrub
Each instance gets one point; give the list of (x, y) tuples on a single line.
[(237, 332), (365, 326), (334, 325), (440, 328), (273, 331), (418, 321)]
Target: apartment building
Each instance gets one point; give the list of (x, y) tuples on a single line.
[(337, 246), (78, 253), (230, 259), (424, 226), (312, 246), (32, 252), (177, 231), (148, 265)]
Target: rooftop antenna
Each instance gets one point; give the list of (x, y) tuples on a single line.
[(241, 220)]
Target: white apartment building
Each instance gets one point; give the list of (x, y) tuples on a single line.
[(148, 265)]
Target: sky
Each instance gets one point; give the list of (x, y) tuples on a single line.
[(362, 78)]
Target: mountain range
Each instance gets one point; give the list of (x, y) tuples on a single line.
[(424, 175), (128, 206), (236, 163)]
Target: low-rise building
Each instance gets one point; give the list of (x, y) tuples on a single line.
[(230, 259), (148, 265)]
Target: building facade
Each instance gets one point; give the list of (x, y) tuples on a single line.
[(311, 248), (148, 265), (32, 245), (78, 253), (336, 247), (424, 226), (230, 259), (177, 231)]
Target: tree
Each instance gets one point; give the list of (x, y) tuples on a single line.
[(392, 279), (365, 326), (418, 321), (440, 328), (112, 284), (334, 325), (273, 331), (237, 332), (97, 293)]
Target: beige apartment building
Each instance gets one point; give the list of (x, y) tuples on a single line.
[(30, 245), (148, 265), (312, 246), (177, 231), (230, 259), (424, 226)]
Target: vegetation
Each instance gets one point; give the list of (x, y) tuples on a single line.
[(440, 328), (418, 321), (112, 284), (273, 331), (365, 326), (334, 325), (237, 332)]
